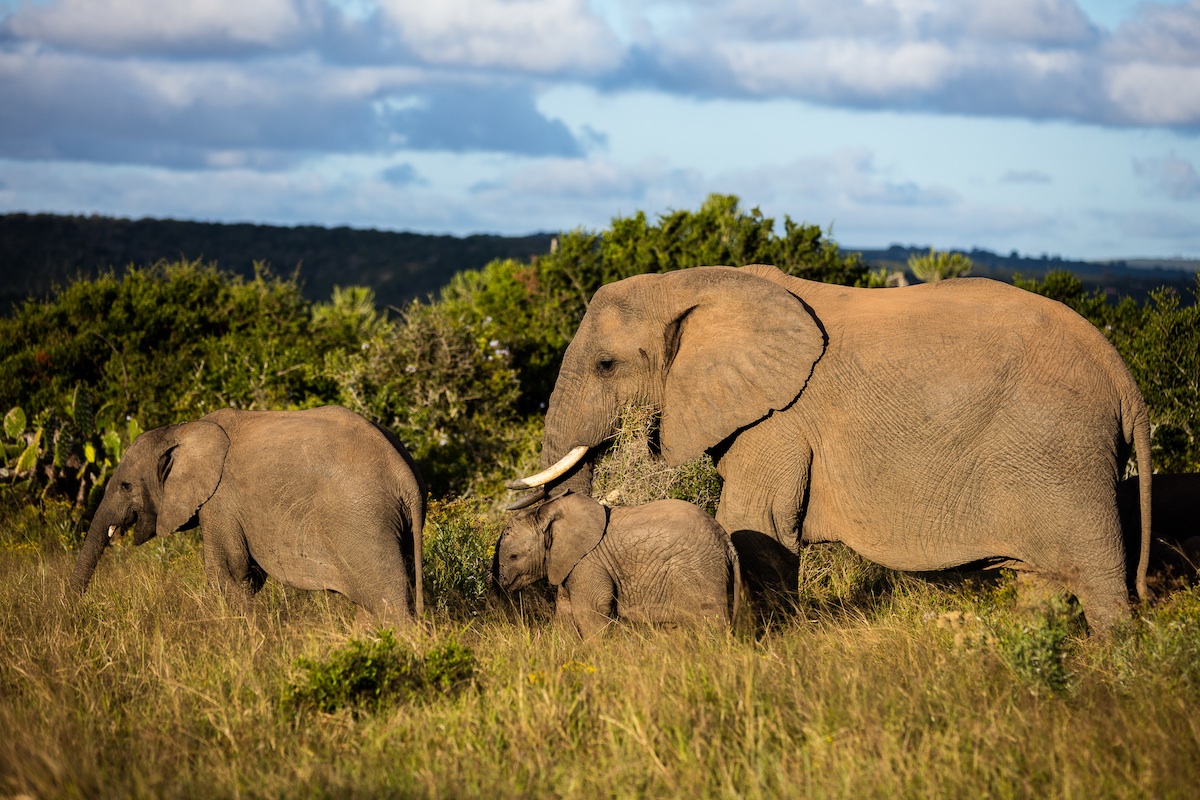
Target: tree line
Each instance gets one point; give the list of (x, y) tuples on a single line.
[(461, 376)]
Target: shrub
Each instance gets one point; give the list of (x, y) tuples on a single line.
[(162, 344), (459, 541), (939, 266), (440, 381), (366, 676), (1036, 649)]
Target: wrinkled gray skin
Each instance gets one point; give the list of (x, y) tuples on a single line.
[(965, 422), (318, 499), (662, 563)]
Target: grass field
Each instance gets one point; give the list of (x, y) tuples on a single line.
[(879, 686)]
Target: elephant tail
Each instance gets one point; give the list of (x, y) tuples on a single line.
[(1141, 445), (735, 566)]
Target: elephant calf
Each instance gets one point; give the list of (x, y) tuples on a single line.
[(319, 499), (662, 563)]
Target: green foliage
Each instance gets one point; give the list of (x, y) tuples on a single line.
[(443, 383), (939, 266), (162, 344), (367, 676), (459, 539), (536, 307), (1163, 352), (65, 452), (1036, 648)]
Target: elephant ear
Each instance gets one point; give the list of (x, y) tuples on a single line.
[(743, 346), (189, 470), (576, 526)]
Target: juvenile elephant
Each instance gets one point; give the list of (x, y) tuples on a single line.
[(662, 563), (964, 422), (318, 499)]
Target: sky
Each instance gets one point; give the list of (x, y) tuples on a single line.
[(1059, 127)]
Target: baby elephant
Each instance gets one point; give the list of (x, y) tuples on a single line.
[(662, 563)]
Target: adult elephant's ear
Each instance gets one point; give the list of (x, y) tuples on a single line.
[(189, 469), (576, 526), (739, 346)]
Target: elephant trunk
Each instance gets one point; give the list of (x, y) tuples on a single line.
[(97, 539)]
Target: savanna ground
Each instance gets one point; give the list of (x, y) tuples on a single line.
[(876, 684), (879, 685)]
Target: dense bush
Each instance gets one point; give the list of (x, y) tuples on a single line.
[(371, 674)]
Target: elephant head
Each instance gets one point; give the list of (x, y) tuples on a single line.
[(163, 479), (547, 541), (713, 349)]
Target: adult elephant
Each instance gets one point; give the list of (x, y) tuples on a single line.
[(964, 422), (318, 499)]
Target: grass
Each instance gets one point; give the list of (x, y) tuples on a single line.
[(150, 685), (878, 684)]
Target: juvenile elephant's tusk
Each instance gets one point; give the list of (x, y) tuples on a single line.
[(528, 500), (557, 471), (112, 529)]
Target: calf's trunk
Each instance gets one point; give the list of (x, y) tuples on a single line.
[(97, 539)]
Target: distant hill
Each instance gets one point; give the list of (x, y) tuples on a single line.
[(1133, 277), (40, 251)]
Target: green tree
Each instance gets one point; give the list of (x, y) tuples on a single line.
[(536, 307), (939, 266), (163, 344)]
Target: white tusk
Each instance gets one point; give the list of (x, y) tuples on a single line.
[(557, 471), (112, 529)]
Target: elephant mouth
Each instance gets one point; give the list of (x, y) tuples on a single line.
[(514, 583)]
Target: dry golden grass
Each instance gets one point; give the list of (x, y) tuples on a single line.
[(150, 685)]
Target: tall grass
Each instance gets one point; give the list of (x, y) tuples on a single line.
[(150, 685)]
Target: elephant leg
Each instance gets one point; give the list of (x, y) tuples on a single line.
[(375, 577), (764, 486), (228, 563), (1086, 559), (763, 516), (591, 598), (1104, 596), (770, 572)]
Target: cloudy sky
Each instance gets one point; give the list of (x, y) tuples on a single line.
[(1067, 127)]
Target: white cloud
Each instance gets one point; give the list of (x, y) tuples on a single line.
[(1039, 22), (124, 26), (827, 69), (538, 36), (1155, 94)]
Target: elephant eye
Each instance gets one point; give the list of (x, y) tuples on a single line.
[(126, 486), (605, 365)]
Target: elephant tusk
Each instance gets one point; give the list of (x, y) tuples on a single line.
[(527, 500), (112, 529), (557, 471)]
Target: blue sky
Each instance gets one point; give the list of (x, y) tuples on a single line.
[(1067, 127)]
